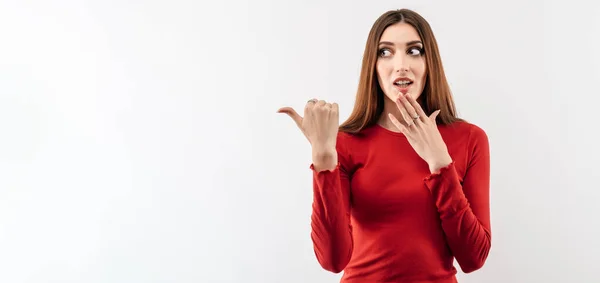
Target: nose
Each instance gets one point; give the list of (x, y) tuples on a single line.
[(401, 64)]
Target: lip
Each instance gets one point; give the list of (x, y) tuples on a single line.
[(402, 79), (404, 90)]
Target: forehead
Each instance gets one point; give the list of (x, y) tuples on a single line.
[(400, 33)]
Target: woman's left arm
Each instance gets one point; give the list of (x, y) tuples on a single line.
[(465, 208)]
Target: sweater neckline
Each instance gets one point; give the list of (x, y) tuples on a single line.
[(387, 131)]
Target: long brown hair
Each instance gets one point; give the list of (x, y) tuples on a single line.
[(369, 97)]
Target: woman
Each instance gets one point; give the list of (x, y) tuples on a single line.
[(401, 189)]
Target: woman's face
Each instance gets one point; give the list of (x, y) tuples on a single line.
[(401, 61)]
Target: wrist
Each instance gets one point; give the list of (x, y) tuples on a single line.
[(324, 158), (440, 163), (324, 150)]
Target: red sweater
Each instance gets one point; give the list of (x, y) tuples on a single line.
[(381, 216)]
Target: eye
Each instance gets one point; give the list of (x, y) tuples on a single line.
[(415, 51), (384, 52)]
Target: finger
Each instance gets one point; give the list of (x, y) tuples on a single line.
[(397, 123), (434, 115), (335, 107), (293, 114), (418, 123), (419, 110), (409, 107), (335, 112), (405, 116), (310, 104)]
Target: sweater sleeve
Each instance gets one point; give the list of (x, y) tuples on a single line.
[(331, 231), (464, 208)]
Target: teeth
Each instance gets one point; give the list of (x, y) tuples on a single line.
[(402, 82)]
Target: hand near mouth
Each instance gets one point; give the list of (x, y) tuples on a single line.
[(422, 132)]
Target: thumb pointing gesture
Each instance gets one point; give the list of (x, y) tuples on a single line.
[(319, 124), (293, 114)]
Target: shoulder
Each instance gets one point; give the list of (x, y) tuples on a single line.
[(477, 135), (347, 145), (357, 140), (465, 129), (468, 138), (346, 137), (344, 141), (475, 141)]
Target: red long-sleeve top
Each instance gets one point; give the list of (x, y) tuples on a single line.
[(382, 216)]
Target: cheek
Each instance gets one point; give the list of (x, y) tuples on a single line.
[(382, 75), (421, 72)]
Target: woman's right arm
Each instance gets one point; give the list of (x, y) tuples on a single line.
[(330, 220)]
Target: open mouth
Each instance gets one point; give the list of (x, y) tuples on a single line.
[(402, 84)]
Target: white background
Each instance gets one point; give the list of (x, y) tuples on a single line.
[(139, 140)]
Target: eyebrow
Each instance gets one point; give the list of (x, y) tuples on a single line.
[(408, 43)]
